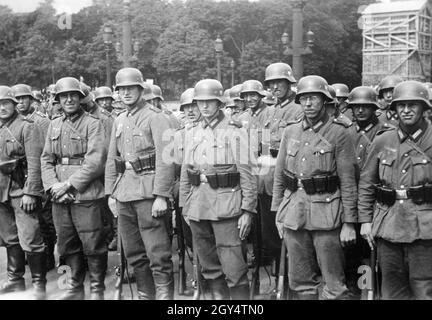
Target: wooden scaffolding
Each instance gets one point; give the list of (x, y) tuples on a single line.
[(397, 40)]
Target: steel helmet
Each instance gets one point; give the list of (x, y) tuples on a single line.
[(208, 89), (103, 92), (129, 77), (68, 84), (388, 82), (252, 86), (342, 90), (313, 84), (88, 95), (38, 95), (147, 93), (363, 95), (410, 90), (22, 90), (279, 70), (235, 92), (186, 98), (332, 92), (157, 92), (6, 93)]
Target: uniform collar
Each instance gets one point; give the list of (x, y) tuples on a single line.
[(287, 101), (258, 110), (11, 119), (367, 125), (213, 122), (403, 135), (75, 116), (30, 112), (317, 126), (137, 106)]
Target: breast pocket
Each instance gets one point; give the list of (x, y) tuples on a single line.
[(140, 139), (55, 142), (386, 167), (422, 170), (325, 157), (292, 150), (78, 145)]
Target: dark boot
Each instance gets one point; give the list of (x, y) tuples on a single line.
[(97, 271), (219, 289), (37, 264), (306, 296), (49, 253), (15, 270), (75, 290), (165, 291), (145, 284), (240, 292)]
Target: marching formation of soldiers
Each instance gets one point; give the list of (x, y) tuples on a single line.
[(318, 178)]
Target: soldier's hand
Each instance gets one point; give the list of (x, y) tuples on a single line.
[(348, 234), (59, 189), (160, 207), (366, 233), (244, 224), (28, 203)]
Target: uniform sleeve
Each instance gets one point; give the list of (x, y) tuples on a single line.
[(94, 159), (164, 177), (369, 177), (44, 123), (345, 166), (33, 145), (185, 185), (278, 181), (110, 169), (49, 176), (248, 181)]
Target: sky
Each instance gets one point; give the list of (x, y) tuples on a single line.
[(61, 6)]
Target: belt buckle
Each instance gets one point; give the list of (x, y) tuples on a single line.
[(65, 161), (402, 194), (203, 178)]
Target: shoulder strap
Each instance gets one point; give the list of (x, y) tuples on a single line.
[(13, 137), (417, 148), (75, 130)]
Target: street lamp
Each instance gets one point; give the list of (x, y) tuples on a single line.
[(219, 49), (297, 49), (107, 38), (232, 65)]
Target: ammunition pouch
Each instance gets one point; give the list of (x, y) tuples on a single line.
[(7, 167), (418, 194), (143, 163), (194, 177), (119, 165), (274, 152), (290, 181), (385, 195), (17, 169), (320, 184)]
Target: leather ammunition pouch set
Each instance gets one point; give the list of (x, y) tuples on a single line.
[(217, 180), (139, 165), (17, 169), (313, 185), (274, 152), (418, 194)]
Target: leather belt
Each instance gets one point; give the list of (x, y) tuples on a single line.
[(71, 161)]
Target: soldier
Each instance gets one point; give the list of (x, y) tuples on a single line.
[(218, 194), (21, 191), (238, 101), (25, 96), (279, 79), (342, 92), (141, 182), (395, 197), (103, 97), (333, 110), (385, 93), (118, 106), (72, 166), (155, 98), (37, 102), (53, 107), (315, 195)]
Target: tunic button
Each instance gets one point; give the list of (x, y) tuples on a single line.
[(303, 159), (310, 129), (401, 201), (384, 161), (307, 143), (64, 146), (402, 187), (403, 171), (328, 199), (358, 158), (406, 155), (127, 140), (322, 151), (301, 174), (424, 161), (361, 146), (127, 127)]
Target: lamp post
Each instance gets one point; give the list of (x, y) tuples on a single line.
[(297, 49), (107, 37), (219, 50), (232, 65)]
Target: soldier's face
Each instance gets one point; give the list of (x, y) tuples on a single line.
[(342, 102), (7, 109), (191, 111), (23, 105), (387, 95), (70, 102), (409, 112), (312, 104), (279, 87), (252, 99), (129, 95), (156, 102), (363, 112), (208, 108), (239, 104), (105, 103)]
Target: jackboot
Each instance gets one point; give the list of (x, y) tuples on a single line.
[(15, 270), (145, 283), (75, 290), (165, 291), (240, 292), (49, 254), (306, 296), (219, 289), (37, 264), (97, 270)]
